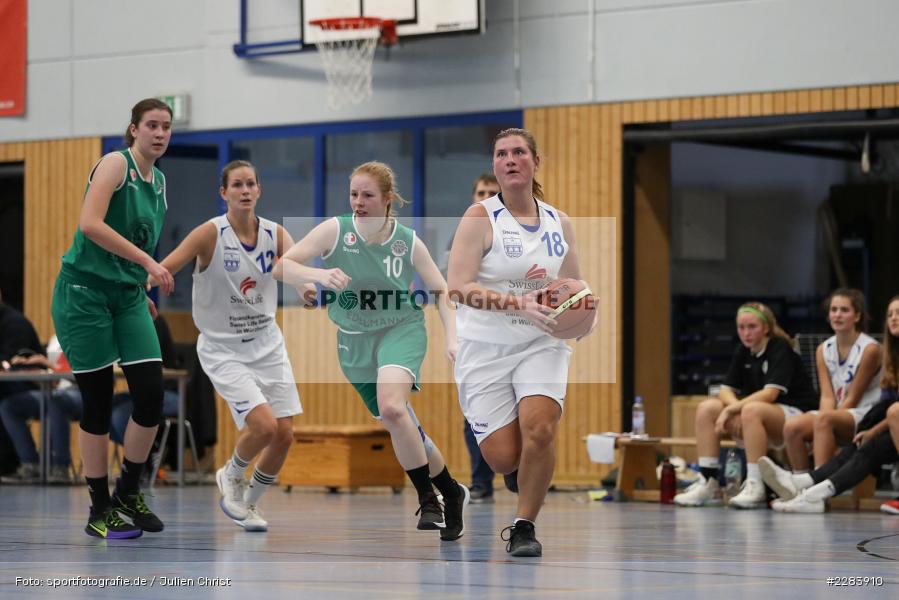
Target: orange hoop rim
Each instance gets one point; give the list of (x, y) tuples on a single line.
[(387, 26)]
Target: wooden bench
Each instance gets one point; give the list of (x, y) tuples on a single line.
[(637, 479), (342, 456)]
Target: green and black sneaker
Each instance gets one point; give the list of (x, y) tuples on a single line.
[(110, 526), (135, 508)]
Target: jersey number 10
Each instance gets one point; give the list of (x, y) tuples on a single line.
[(394, 266)]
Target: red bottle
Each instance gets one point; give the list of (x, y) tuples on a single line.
[(668, 483)]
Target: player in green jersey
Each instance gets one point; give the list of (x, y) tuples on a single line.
[(100, 312), (372, 260)]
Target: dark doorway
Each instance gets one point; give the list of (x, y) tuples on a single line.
[(12, 233)]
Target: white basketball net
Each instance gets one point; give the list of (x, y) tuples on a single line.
[(348, 64)]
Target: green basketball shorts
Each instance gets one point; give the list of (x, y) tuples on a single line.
[(97, 326), (362, 355)]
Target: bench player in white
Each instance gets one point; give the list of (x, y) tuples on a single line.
[(240, 346)]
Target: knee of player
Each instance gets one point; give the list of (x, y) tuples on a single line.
[(283, 438), (753, 412), (541, 434), (824, 421), (264, 429), (708, 411), (391, 413), (893, 413)]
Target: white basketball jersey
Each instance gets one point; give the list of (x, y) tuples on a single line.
[(842, 373), (519, 260), (235, 297)]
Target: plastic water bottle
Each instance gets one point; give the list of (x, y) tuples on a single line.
[(733, 473), (638, 417), (668, 485)]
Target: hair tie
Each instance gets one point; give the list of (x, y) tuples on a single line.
[(754, 311)]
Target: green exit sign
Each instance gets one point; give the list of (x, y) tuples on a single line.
[(180, 104)]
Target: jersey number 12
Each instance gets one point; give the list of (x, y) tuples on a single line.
[(266, 266)]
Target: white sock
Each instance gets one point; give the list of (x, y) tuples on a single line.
[(237, 466), (259, 484), (803, 480), (752, 472), (821, 491), (517, 519)]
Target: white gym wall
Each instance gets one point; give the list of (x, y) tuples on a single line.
[(90, 60)]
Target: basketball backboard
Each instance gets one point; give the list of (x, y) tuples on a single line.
[(414, 18)]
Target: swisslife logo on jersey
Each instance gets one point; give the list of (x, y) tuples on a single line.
[(246, 285), (533, 279), (535, 272)]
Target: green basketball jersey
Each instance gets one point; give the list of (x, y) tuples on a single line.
[(380, 292), (136, 211)]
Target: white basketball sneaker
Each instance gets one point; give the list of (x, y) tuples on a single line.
[(752, 495), (232, 489), (800, 504), (254, 520), (778, 479), (703, 492)]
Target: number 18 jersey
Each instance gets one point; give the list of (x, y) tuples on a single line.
[(520, 259)]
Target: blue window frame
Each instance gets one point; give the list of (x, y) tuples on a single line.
[(224, 140), (229, 144)]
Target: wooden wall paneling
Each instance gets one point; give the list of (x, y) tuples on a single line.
[(815, 102), (55, 173), (852, 98)]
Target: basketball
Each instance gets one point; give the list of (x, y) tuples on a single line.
[(574, 306)]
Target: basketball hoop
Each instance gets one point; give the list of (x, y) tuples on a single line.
[(347, 46)]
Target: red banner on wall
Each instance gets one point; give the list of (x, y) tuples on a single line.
[(13, 53)]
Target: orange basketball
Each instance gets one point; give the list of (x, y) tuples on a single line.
[(574, 306)]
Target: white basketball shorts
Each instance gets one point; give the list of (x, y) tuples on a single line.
[(493, 378), (247, 374)]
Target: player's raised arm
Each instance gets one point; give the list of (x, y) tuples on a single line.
[(199, 244), (318, 242), (430, 274), (285, 242)]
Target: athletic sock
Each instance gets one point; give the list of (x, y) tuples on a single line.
[(708, 467), (259, 484), (752, 472), (803, 480), (821, 491), (129, 479), (237, 466), (98, 488), (421, 479), (446, 484)]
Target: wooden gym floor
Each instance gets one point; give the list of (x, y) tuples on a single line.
[(365, 546)]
